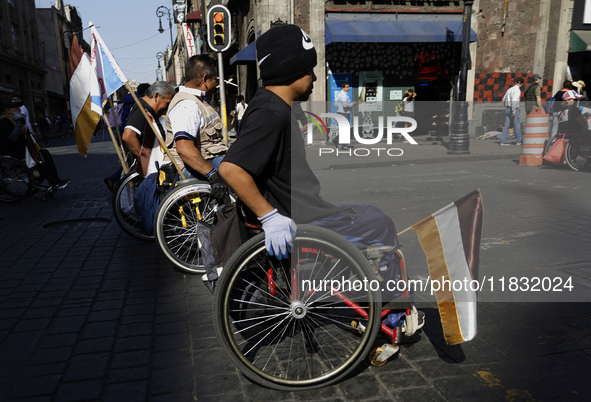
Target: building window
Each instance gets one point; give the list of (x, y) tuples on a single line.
[(16, 37), (27, 45)]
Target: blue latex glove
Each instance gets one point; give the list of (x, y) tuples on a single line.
[(279, 233)]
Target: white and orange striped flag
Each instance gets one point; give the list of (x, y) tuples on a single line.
[(94, 78), (83, 118), (450, 239)]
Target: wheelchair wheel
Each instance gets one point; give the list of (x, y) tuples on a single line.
[(16, 180), (284, 323), (123, 208), (549, 143), (578, 152), (175, 225)]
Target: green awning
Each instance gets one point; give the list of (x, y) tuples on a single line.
[(580, 41)]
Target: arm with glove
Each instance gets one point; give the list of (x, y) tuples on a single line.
[(279, 230), (192, 157)]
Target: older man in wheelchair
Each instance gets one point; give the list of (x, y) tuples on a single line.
[(18, 142)]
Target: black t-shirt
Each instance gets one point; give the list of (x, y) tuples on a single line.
[(558, 101), (574, 126), (16, 149), (136, 120), (276, 159)]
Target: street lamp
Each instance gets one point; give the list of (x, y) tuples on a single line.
[(159, 55), (460, 138), (161, 12), (158, 74)]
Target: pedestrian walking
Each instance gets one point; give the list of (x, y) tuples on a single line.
[(44, 127), (533, 94), (239, 112), (344, 108), (558, 108), (511, 102)]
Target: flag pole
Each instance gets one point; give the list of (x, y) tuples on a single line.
[(116, 125), (117, 148), (410, 227), (404, 231), (155, 129)]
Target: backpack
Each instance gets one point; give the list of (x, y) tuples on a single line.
[(549, 108), (146, 200)]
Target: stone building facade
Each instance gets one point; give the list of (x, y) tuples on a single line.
[(57, 25), (21, 65)]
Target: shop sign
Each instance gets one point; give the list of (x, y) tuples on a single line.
[(179, 8), (429, 68)]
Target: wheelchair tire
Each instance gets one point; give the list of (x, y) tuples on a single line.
[(123, 208), (281, 334), (16, 180), (175, 223), (578, 152), (549, 143)]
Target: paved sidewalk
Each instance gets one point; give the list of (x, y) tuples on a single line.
[(89, 314)]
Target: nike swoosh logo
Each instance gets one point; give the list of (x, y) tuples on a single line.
[(263, 59), (306, 41)]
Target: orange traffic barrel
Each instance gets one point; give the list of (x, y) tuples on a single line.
[(534, 139)]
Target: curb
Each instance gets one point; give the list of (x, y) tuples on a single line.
[(423, 161)]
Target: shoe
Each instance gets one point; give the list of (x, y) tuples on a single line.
[(109, 184), (62, 184), (346, 147), (518, 143), (504, 144)]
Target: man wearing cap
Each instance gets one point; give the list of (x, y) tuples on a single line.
[(533, 94), (511, 103), (267, 166)]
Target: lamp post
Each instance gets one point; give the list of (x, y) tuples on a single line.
[(158, 74), (161, 12), (159, 56), (459, 137)]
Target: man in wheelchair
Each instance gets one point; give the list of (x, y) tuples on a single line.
[(267, 168), (193, 127), (17, 141)]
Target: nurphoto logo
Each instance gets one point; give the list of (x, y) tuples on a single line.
[(394, 125)]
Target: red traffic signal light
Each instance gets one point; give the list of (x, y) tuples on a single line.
[(219, 28)]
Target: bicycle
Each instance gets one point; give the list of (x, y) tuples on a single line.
[(578, 152), (18, 181), (286, 325)]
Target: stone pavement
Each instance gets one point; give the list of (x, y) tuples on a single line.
[(88, 313)]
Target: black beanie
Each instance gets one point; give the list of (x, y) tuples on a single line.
[(285, 53)]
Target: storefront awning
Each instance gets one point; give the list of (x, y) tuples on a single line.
[(580, 41), (394, 31), (249, 53), (378, 31)]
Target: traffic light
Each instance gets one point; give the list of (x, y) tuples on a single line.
[(219, 28)]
